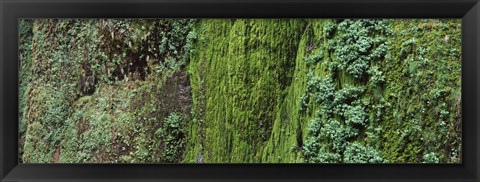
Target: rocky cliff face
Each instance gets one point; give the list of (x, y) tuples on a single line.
[(240, 91)]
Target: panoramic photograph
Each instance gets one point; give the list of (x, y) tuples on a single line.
[(240, 91)]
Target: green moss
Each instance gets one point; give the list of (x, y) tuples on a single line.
[(35, 148), (421, 82), (243, 78)]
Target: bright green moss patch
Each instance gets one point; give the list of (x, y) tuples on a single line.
[(240, 91), (247, 66)]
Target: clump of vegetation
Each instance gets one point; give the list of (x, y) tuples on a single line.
[(172, 136), (342, 115)]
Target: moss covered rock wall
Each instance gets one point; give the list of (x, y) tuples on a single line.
[(241, 91), (94, 91)]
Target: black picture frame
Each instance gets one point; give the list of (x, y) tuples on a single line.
[(467, 10)]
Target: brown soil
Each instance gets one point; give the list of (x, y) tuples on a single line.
[(56, 156)]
